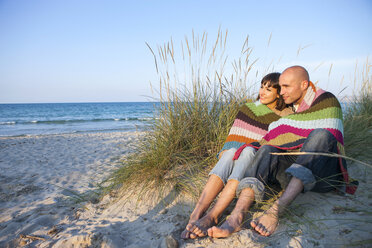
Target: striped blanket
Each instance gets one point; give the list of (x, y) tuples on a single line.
[(319, 109), (250, 125)]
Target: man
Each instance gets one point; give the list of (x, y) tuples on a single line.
[(316, 126)]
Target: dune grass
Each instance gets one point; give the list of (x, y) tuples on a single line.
[(198, 103), (358, 117)]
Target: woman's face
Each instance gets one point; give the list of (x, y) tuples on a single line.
[(268, 94)]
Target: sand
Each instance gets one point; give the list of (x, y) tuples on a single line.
[(38, 206), (40, 176)]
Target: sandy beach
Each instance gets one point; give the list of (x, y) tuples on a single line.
[(38, 206), (40, 175)]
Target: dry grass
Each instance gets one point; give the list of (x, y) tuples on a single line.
[(198, 103), (358, 117)]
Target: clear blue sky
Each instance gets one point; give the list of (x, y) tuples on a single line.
[(94, 51)]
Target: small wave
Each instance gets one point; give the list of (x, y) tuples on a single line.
[(62, 121), (8, 123), (146, 119), (107, 130), (53, 122), (15, 135)]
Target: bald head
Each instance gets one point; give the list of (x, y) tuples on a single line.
[(297, 72), (294, 82)]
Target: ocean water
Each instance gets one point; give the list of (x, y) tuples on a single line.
[(58, 118)]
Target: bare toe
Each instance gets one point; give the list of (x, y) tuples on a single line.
[(200, 227), (197, 231), (231, 225), (253, 223), (185, 234), (193, 236), (210, 231), (259, 228), (266, 224), (190, 227)]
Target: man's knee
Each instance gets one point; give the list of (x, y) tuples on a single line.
[(267, 149), (320, 133), (254, 184), (319, 139)]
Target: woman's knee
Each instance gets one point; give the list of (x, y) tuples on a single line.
[(227, 154), (248, 151), (231, 152)]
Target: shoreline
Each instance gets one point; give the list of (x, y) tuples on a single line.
[(139, 130)]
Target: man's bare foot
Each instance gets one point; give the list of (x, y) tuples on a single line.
[(200, 227), (231, 225), (267, 223)]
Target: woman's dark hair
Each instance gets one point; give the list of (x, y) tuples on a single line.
[(272, 80)]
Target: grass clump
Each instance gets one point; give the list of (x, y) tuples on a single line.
[(358, 119), (193, 116)]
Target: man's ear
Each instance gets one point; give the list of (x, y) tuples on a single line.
[(304, 84)]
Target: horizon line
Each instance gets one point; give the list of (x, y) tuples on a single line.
[(77, 102)]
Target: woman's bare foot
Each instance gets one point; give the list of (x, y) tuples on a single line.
[(186, 233), (231, 225), (267, 223), (200, 227), (210, 191)]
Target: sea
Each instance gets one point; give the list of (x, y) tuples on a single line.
[(64, 118)]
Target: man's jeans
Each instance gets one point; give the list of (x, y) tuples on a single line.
[(317, 173)]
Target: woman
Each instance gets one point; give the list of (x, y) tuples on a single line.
[(232, 165)]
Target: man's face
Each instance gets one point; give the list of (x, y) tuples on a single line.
[(291, 89)]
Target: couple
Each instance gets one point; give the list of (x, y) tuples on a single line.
[(291, 115)]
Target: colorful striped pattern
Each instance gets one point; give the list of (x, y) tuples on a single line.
[(250, 125), (319, 109)]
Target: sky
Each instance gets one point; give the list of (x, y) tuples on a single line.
[(95, 51)]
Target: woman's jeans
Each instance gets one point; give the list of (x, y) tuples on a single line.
[(317, 173), (227, 168)]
